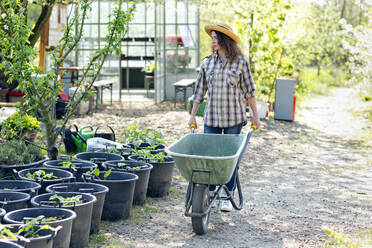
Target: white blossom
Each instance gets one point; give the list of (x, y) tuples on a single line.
[(3, 15), (6, 27)]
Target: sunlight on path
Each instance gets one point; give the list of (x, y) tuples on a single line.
[(332, 113)]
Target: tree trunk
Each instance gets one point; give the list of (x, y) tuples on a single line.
[(343, 9), (41, 21)]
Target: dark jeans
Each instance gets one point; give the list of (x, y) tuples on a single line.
[(230, 130)]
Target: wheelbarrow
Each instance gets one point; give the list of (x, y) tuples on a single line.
[(204, 160)]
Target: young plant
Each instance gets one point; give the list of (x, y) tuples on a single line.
[(146, 155), (66, 201), (67, 164), (96, 173), (30, 228), (17, 152), (126, 166), (18, 125), (135, 135), (40, 175)]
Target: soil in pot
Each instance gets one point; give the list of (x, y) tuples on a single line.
[(98, 157), (13, 200), (45, 176), (119, 199), (52, 216), (160, 177), (141, 169), (98, 190), (76, 167), (81, 203)]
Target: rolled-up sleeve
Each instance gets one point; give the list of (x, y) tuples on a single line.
[(201, 86), (247, 84)]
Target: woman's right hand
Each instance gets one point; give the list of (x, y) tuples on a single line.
[(192, 121)]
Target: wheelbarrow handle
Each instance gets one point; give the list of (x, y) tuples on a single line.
[(192, 127)]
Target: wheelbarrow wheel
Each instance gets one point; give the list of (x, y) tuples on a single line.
[(200, 203)]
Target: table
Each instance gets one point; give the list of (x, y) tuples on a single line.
[(101, 85), (71, 69), (182, 86)]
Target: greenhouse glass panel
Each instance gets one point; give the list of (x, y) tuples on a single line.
[(92, 16), (193, 14), (181, 12), (140, 14)]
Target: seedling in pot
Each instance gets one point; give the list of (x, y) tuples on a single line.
[(40, 175), (96, 172), (28, 230), (59, 200), (67, 164), (130, 166), (147, 156)]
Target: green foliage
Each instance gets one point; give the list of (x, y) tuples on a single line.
[(96, 173), (30, 229), (357, 42), (67, 164), (134, 134), (40, 175), (18, 124), (338, 240), (146, 155), (259, 24), (17, 152), (66, 201), (126, 166)]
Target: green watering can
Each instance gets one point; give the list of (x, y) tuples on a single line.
[(80, 142), (86, 132)]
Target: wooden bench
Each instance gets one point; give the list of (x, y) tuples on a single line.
[(182, 86), (101, 85)]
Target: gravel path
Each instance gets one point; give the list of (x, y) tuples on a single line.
[(297, 178)]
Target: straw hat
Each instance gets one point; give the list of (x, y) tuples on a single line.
[(223, 28)]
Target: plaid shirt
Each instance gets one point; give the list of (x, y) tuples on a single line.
[(227, 85)]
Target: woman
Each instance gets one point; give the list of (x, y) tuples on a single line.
[(227, 78)]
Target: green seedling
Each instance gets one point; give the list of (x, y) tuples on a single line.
[(40, 175), (68, 201)]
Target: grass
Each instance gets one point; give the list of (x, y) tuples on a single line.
[(139, 213), (313, 84), (362, 238)]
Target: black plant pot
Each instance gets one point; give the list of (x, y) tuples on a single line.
[(160, 177), (81, 225), (8, 244), (119, 199), (2, 213), (62, 240), (98, 157), (28, 187), (77, 167), (143, 174), (62, 177), (13, 200), (44, 240), (9, 169), (98, 190)]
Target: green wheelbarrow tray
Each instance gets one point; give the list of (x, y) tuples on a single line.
[(208, 158)]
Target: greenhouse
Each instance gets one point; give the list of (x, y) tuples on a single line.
[(161, 46)]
